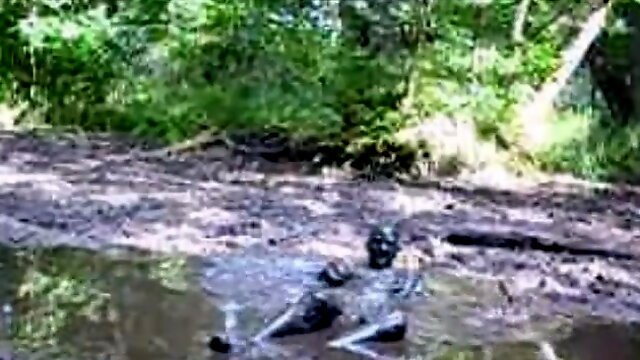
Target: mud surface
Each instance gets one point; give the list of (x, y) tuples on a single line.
[(561, 248), (128, 305), (99, 192)]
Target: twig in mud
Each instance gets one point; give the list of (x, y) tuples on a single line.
[(502, 287), (199, 141)]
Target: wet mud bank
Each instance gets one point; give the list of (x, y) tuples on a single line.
[(78, 304), (503, 269), (597, 285), (102, 192)]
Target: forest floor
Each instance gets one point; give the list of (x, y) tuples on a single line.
[(96, 192)]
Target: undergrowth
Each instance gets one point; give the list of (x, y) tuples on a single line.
[(170, 70), (589, 144)]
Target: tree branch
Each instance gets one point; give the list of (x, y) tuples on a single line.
[(535, 113), (517, 33)]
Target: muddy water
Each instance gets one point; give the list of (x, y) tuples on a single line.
[(72, 304)]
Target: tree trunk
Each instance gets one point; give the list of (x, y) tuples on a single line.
[(634, 22), (520, 20), (533, 117), (611, 82)]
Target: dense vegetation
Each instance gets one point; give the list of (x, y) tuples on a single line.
[(377, 79)]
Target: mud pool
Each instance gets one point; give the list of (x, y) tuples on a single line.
[(65, 303)]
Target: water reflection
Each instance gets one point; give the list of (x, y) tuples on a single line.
[(595, 341), (75, 304)]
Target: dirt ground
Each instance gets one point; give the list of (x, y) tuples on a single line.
[(101, 192), (96, 192)]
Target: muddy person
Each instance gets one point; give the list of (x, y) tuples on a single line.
[(317, 309)]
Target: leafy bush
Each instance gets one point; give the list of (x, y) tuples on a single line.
[(593, 148), (349, 76)]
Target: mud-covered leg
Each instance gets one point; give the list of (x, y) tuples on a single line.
[(412, 283), (393, 327), (277, 324), (231, 320), (313, 312), (310, 313), (230, 339)]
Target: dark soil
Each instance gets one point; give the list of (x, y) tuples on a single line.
[(570, 242)]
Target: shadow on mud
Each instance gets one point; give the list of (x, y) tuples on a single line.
[(65, 303)]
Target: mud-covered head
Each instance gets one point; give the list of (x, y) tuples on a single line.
[(383, 245)]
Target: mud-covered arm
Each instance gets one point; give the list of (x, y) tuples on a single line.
[(336, 273), (407, 285), (411, 281)]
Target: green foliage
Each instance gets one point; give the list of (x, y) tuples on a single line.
[(593, 147), (586, 138), (349, 74), (473, 70), (170, 69)]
